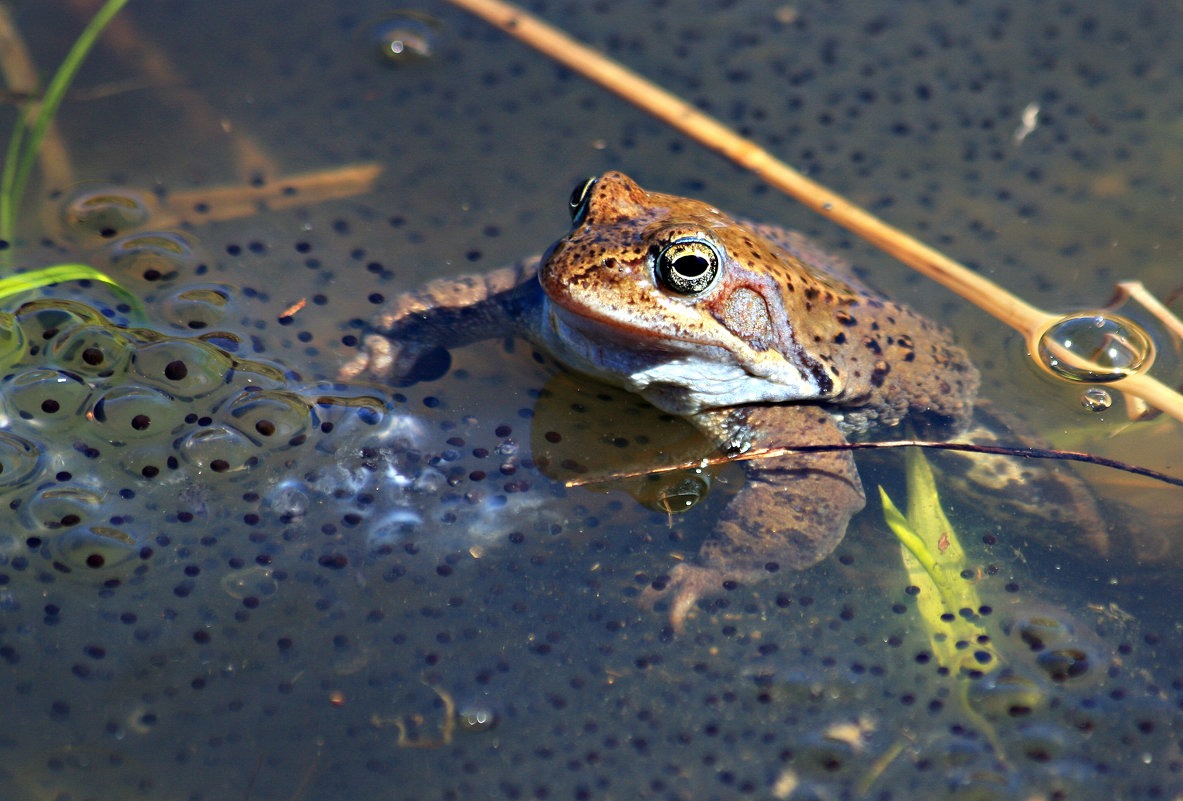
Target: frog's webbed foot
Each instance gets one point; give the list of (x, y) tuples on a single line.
[(407, 340), (791, 514), (1048, 495)]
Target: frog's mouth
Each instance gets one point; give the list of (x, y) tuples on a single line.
[(608, 346), (676, 375)]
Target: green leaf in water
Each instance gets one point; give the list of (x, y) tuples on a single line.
[(948, 604)]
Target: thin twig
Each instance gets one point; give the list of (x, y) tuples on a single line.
[(1134, 290), (1028, 320), (963, 447)]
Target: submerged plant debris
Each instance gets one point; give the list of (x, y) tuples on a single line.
[(224, 574)]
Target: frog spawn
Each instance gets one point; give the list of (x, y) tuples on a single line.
[(865, 93), (319, 584), (352, 576), (84, 394), (177, 492), (334, 578), (104, 423)]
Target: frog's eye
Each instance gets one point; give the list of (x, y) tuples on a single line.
[(688, 266), (579, 198)]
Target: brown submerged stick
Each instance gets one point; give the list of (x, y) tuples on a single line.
[(152, 61), (232, 202), (21, 75), (1028, 320)]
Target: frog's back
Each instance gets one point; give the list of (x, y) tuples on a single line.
[(812, 259), (899, 366)]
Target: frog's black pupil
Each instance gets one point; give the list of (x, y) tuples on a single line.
[(690, 266), (579, 197)]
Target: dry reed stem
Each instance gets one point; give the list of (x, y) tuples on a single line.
[(20, 75), (1028, 320)]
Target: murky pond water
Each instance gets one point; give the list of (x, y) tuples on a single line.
[(224, 574)]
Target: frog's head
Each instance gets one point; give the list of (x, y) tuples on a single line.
[(675, 300)]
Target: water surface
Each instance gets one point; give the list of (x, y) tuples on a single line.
[(266, 628)]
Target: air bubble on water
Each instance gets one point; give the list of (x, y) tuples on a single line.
[(1097, 347), (475, 719), (403, 37), (1096, 399)]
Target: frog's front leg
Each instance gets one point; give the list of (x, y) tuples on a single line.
[(791, 513), (447, 313)]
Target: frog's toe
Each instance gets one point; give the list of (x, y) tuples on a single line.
[(376, 358), (687, 583), (400, 362)]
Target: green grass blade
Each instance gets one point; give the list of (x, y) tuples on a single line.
[(22, 149), (24, 282), (7, 202)]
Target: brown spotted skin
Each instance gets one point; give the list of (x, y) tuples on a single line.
[(778, 295), (784, 347), (791, 513)]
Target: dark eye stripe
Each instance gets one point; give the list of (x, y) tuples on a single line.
[(580, 196)]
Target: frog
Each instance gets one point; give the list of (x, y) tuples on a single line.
[(751, 332)]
